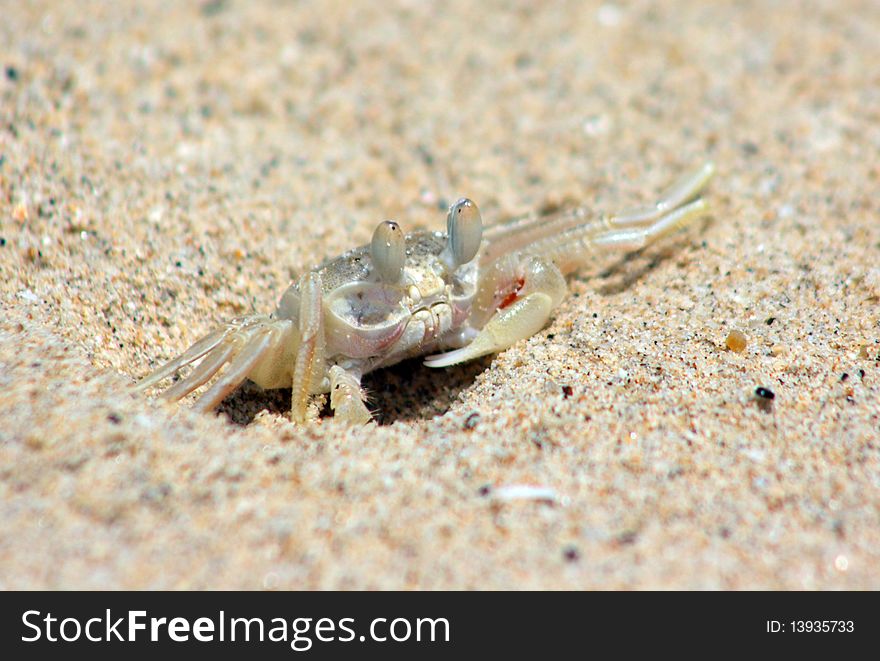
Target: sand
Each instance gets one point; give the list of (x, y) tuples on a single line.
[(166, 166)]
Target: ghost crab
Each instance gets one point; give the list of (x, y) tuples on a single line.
[(451, 296)]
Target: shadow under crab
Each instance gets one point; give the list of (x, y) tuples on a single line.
[(405, 392)]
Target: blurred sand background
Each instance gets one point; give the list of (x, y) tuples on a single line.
[(165, 166)]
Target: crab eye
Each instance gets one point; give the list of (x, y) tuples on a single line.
[(388, 250), (464, 228)]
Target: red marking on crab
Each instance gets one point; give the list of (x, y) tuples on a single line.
[(512, 296)]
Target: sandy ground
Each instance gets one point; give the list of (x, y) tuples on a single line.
[(167, 166)]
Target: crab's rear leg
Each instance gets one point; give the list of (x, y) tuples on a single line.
[(238, 349), (577, 247), (635, 238), (542, 234), (196, 351), (242, 360), (686, 189), (520, 315)]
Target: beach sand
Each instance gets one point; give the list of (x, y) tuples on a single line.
[(166, 166)]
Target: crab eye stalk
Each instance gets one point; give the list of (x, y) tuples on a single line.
[(464, 229), (388, 250)]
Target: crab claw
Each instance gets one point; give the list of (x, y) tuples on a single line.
[(521, 320)]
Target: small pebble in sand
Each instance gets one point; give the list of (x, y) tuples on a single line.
[(764, 397), (20, 213), (471, 422), (736, 341), (571, 554)]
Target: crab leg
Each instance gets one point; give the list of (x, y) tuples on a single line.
[(522, 233), (308, 369), (240, 367), (680, 193), (638, 237), (572, 249), (347, 398), (204, 371), (196, 351)]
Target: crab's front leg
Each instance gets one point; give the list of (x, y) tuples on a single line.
[(538, 288), (309, 368), (310, 373), (347, 397)]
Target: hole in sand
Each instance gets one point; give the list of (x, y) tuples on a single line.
[(406, 392)]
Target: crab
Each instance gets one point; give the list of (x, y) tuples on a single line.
[(451, 297)]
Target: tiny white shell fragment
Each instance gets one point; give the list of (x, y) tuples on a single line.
[(29, 296), (525, 492)]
